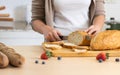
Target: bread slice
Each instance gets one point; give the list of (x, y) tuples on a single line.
[(59, 45), (80, 50), (79, 38), (52, 46), (69, 45), (106, 40), (83, 47), (56, 43)]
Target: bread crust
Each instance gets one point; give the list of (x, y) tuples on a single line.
[(14, 58), (106, 40)]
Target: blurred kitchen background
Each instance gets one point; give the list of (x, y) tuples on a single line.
[(19, 31)]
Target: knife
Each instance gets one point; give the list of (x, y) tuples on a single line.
[(63, 37), (66, 37)]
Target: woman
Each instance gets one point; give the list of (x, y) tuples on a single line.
[(55, 18)]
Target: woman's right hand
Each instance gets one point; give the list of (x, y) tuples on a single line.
[(50, 34)]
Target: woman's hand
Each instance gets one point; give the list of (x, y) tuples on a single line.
[(98, 23), (93, 29), (50, 34)]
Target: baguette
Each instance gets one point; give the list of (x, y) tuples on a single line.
[(3, 60), (15, 59)]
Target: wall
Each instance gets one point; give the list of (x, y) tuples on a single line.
[(112, 9)]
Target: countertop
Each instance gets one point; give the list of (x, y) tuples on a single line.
[(65, 66)]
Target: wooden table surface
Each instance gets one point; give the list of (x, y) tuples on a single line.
[(65, 66)]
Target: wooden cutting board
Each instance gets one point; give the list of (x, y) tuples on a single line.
[(68, 52), (64, 52)]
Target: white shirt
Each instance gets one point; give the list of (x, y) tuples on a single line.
[(71, 15)]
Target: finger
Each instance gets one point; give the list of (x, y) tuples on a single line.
[(59, 34), (52, 37), (86, 30), (89, 29), (56, 36), (91, 32), (47, 38), (96, 33)]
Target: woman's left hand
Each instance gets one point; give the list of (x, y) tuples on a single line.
[(93, 29)]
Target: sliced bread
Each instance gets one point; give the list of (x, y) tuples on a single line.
[(80, 38)]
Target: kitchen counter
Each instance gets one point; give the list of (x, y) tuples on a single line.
[(65, 66)]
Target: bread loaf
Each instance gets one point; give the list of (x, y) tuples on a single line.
[(79, 38), (15, 59), (106, 40), (3, 60)]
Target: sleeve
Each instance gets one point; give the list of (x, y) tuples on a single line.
[(38, 10), (100, 10)]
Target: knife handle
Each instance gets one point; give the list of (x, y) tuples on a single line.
[(61, 37)]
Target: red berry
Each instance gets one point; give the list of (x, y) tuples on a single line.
[(101, 56), (44, 56)]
